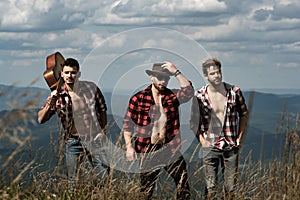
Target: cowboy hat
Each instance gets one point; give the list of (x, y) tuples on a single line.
[(158, 70)]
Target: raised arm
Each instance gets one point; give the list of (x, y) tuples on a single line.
[(183, 82), (46, 112)]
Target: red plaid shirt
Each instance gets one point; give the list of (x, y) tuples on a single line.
[(201, 118), (94, 106), (141, 110)]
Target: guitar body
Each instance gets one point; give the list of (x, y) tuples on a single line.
[(54, 64)]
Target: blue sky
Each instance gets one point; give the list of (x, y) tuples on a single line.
[(257, 41)]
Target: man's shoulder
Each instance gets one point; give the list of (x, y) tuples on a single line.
[(86, 83), (140, 94), (231, 87), (201, 91), (145, 91)]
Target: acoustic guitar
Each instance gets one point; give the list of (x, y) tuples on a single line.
[(54, 64)]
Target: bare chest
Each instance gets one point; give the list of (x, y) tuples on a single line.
[(218, 103), (77, 102)]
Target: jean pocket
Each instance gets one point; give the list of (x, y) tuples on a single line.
[(204, 151)]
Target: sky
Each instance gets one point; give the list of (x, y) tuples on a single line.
[(258, 41)]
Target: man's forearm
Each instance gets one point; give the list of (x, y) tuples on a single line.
[(128, 139), (243, 126), (183, 82), (46, 111), (44, 114), (130, 151)]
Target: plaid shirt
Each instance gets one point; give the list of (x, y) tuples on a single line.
[(91, 113), (141, 110), (203, 123)]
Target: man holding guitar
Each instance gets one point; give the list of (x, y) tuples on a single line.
[(81, 107)]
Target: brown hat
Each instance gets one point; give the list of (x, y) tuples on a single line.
[(158, 70)]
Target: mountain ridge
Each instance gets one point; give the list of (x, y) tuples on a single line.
[(265, 118)]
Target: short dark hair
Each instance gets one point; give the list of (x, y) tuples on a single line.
[(71, 62), (210, 62)]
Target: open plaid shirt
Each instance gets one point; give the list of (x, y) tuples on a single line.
[(141, 112), (201, 118), (94, 106)]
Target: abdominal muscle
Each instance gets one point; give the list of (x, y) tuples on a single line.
[(159, 126), (78, 111)]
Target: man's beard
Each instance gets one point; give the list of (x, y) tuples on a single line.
[(71, 84), (159, 87), (216, 83), (70, 81)]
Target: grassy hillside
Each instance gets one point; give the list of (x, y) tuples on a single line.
[(32, 165), (33, 169)]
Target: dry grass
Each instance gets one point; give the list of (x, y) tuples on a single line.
[(275, 179)]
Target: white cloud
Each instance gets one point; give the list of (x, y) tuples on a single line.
[(24, 53), (154, 12), (42, 6), (286, 2), (73, 38), (231, 30), (287, 65), (292, 47), (52, 37), (14, 36), (21, 12), (117, 41), (236, 31), (150, 43), (15, 15), (22, 63), (96, 40), (178, 7), (199, 5), (74, 17)]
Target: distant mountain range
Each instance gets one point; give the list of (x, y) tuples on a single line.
[(293, 91), (12, 97), (264, 138)]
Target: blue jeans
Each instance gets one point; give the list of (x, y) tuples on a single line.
[(176, 168), (228, 160), (77, 151)]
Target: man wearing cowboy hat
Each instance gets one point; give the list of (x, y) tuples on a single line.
[(153, 114)]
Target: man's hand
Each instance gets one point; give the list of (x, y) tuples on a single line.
[(131, 154), (130, 151), (54, 93), (238, 142), (183, 82), (203, 141), (52, 99), (169, 66)]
